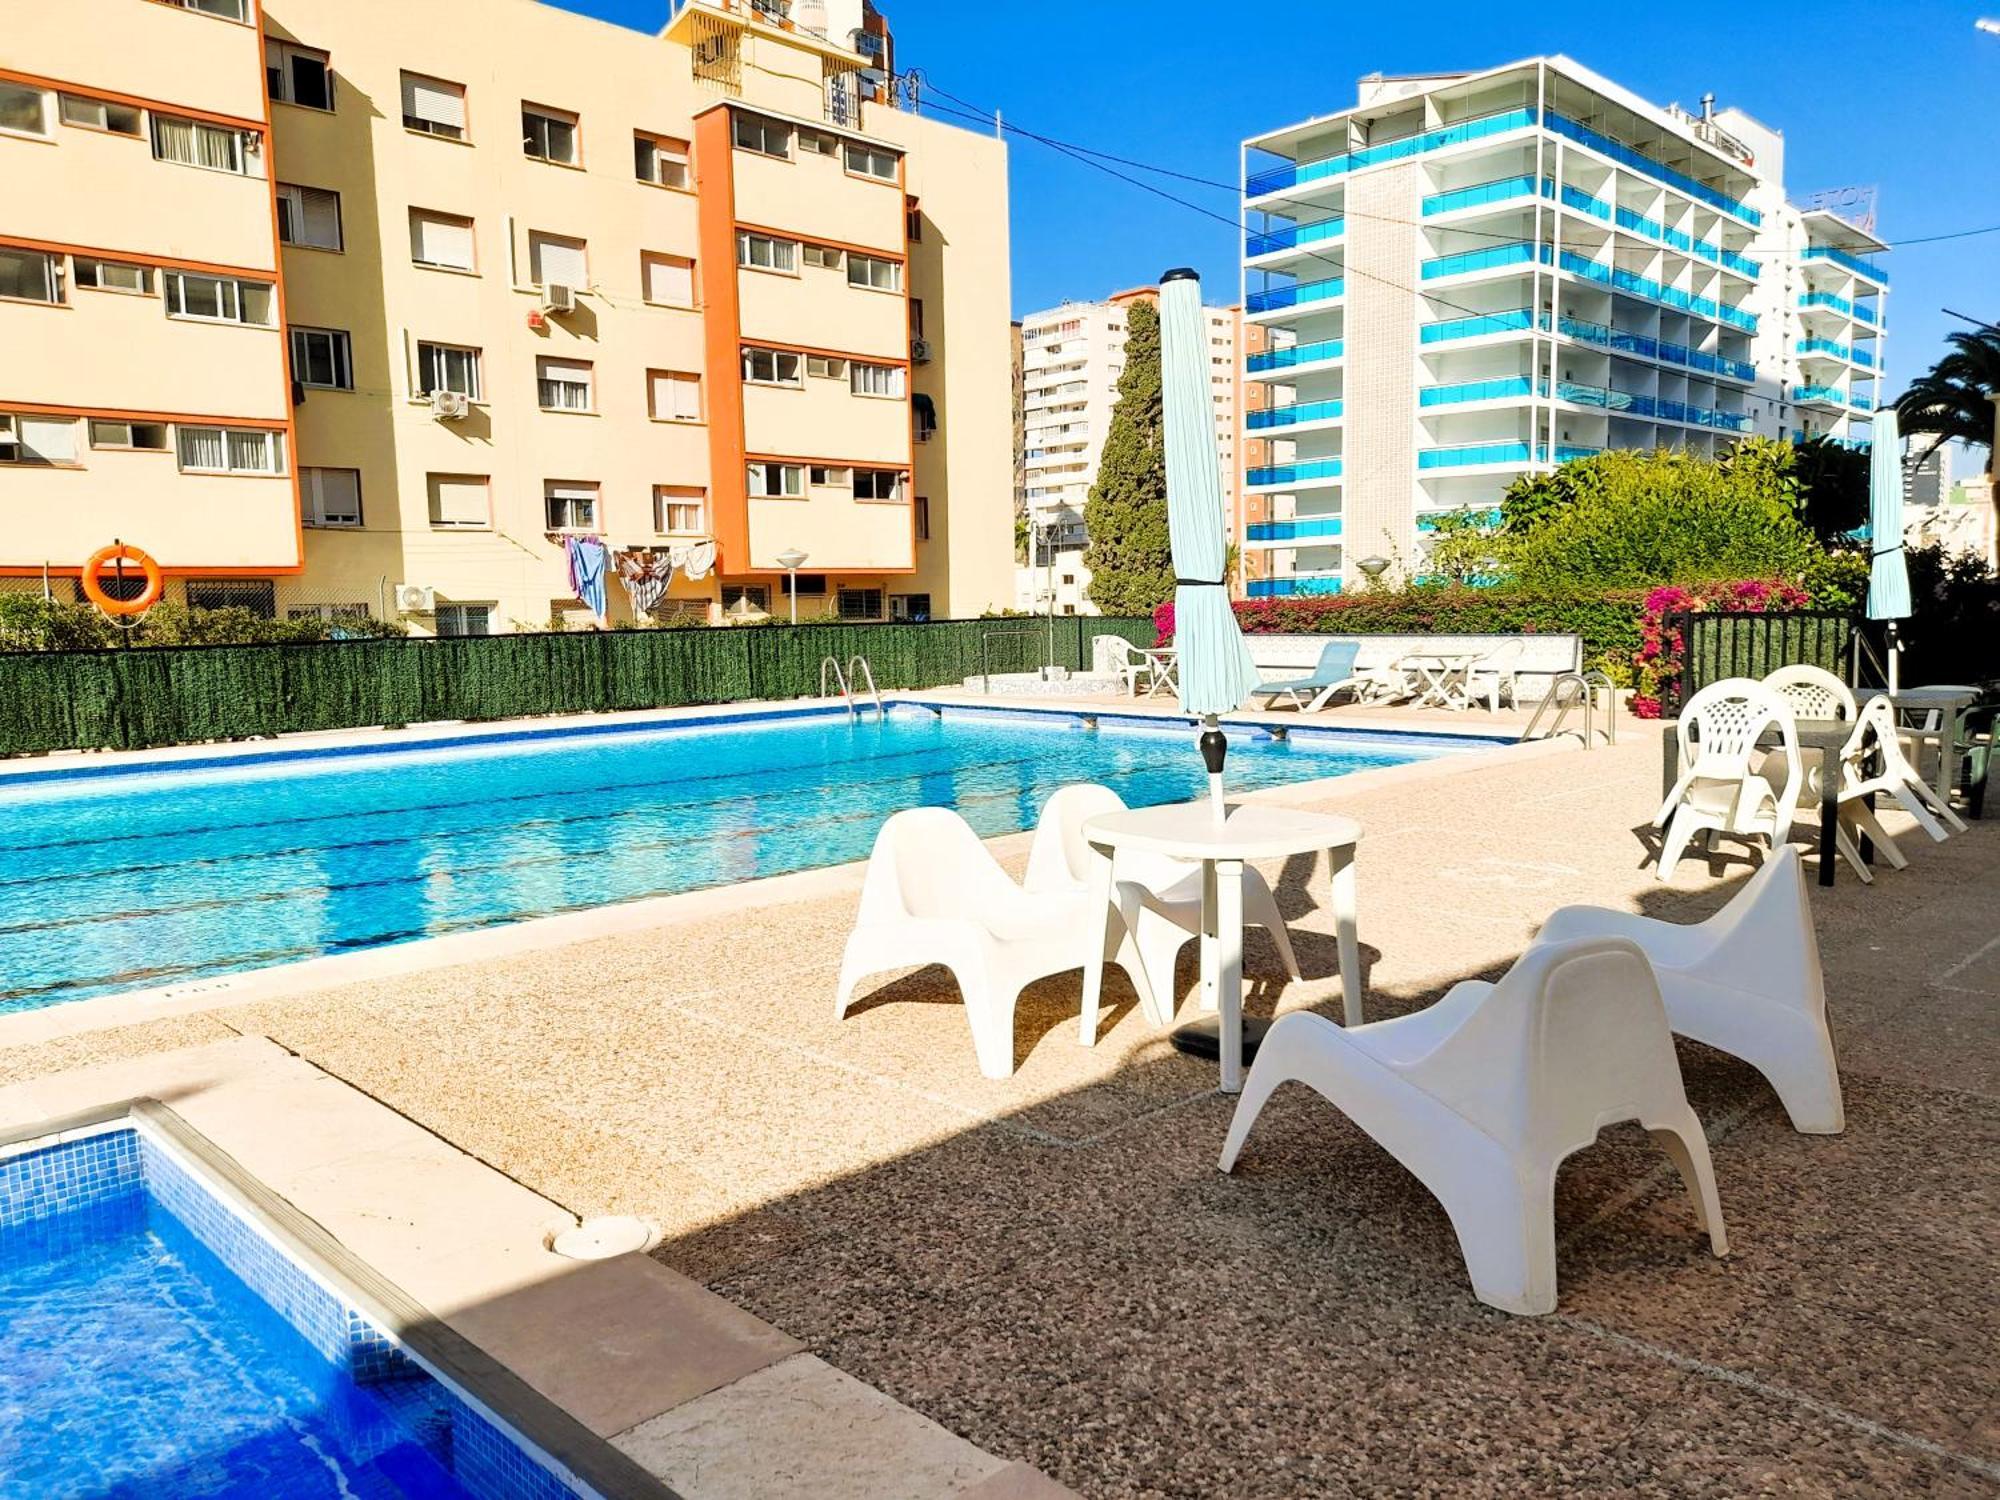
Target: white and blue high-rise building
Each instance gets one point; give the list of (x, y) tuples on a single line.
[(1470, 276)]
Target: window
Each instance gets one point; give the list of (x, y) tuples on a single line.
[(773, 367), (878, 484), (923, 518), (826, 366), (913, 231), (549, 134), (765, 137), (876, 380), (824, 256), (308, 216), (669, 279), (916, 317), (231, 450), (555, 261), (217, 148), (148, 437), (37, 440), (433, 106), (218, 299), (909, 606), (102, 114), (871, 271), (330, 497), (23, 111), (440, 240), (298, 75), (825, 477), (763, 253), (770, 481), (562, 385), (859, 604), (464, 619), (757, 595), (113, 276), (448, 367), (675, 396), (679, 510), (329, 614), (231, 10), (818, 142), (30, 276), (258, 595), (660, 159), (322, 358), (867, 161), (571, 506), (458, 500)]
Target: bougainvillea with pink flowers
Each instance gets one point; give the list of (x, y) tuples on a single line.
[(1662, 647)]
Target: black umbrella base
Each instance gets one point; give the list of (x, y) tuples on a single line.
[(1203, 1038)]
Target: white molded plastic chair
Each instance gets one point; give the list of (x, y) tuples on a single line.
[(1159, 899), (1719, 790), (1484, 1094), (1747, 981), (934, 894), (1497, 669), (1896, 777), (1812, 692)]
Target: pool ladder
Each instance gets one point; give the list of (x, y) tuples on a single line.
[(857, 670), (1565, 692)]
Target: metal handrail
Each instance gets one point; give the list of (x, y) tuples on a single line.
[(840, 679), (867, 672), (1582, 687)]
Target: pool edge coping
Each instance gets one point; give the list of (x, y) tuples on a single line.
[(475, 1376)]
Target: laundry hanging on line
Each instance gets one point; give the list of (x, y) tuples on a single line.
[(646, 576), (587, 558)]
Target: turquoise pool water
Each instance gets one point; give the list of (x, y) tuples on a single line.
[(163, 876)]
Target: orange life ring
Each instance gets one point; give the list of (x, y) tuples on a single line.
[(93, 589)]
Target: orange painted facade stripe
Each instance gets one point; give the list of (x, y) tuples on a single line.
[(135, 101), (722, 337), (284, 321)]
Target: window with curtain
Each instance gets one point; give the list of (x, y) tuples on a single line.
[(769, 481), (675, 395), (875, 380), (195, 143), (761, 252), (680, 510), (669, 279), (230, 450), (434, 106)]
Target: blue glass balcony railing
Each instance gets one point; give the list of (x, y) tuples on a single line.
[(1645, 347), (1861, 403), (1304, 529), (1861, 357), (1297, 354), (1825, 346), (1583, 135), (1428, 520), (1472, 453), (1653, 291), (1653, 229), (1821, 393), (1632, 404), (1513, 321), (1485, 260), (1474, 390), (1498, 191), (1854, 263), (1291, 416), (1318, 468), (1857, 311), (1578, 199), (1302, 173), (1292, 236), (1567, 451), (1278, 588), (1298, 294)]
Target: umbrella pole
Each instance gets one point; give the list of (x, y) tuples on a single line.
[(1214, 749), (1895, 659)]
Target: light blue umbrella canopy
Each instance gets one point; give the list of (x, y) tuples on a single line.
[(1888, 576), (1215, 670)]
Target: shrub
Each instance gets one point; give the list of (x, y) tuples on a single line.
[(29, 622)]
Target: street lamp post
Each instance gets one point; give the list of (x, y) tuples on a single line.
[(791, 560)]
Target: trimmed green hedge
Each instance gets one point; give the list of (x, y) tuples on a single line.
[(128, 700)]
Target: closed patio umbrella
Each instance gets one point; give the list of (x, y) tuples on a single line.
[(1888, 575), (1214, 665)]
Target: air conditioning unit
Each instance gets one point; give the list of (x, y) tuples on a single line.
[(920, 351), (450, 406), (558, 299), (416, 599)]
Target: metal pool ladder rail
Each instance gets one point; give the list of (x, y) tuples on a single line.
[(857, 669), (1565, 692)]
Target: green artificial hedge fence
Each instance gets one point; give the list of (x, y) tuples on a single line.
[(128, 700)]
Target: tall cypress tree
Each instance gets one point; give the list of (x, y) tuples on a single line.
[(1130, 558)]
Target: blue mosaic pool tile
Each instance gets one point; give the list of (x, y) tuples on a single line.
[(488, 1462), (69, 1175)]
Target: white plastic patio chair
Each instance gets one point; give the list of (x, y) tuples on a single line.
[(1894, 776), (934, 894), (1812, 692), (1719, 790), (1747, 981), (1498, 669), (1484, 1094), (1158, 898)]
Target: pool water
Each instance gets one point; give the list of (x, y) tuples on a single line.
[(161, 876)]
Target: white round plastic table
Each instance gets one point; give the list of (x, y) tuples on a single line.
[(1249, 831)]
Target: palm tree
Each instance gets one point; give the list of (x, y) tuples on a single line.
[(1954, 399)]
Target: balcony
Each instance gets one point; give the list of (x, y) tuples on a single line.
[(1297, 354), (1517, 321), (1475, 390), (1299, 294), (1298, 583), (1603, 145), (1854, 263), (1303, 173), (1818, 395), (1292, 237), (1829, 347), (1307, 529), (1655, 408), (1653, 291), (1488, 518), (1501, 190), (1643, 346), (1866, 316), (1291, 416), (1299, 473), (1470, 454), (1519, 253)]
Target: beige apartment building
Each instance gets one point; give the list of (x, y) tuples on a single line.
[(371, 306)]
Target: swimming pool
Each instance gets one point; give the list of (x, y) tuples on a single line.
[(114, 879), (155, 1342)]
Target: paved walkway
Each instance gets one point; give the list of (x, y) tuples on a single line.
[(1051, 1266)]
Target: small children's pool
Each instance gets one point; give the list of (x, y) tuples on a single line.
[(115, 878), (143, 1353)]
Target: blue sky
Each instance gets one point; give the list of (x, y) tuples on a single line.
[(1896, 93)]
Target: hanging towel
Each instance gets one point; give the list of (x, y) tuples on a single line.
[(645, 578), (587, 558), (700, 558)]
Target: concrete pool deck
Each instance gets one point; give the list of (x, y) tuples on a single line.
[(1050, 1267)]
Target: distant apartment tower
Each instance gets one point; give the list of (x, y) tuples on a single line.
[(1471, 276), (1072, 356), (1926, 474), (367, 307)]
